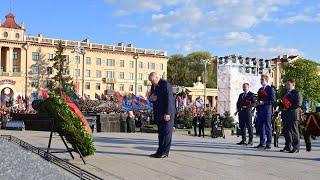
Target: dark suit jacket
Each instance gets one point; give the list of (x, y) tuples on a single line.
[(165, 103), (264, 112), (293, 113), (245, 113)]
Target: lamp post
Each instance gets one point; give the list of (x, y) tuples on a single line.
[(81, 51), (26, 47), (205, 62), (136, 57)]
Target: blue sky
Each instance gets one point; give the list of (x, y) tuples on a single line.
[(257, 28)]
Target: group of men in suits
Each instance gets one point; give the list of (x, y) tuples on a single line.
[(198, 121), (290, 104)]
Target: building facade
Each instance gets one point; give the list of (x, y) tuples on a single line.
[(96, 69)]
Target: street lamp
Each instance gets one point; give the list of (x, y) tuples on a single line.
[(26, 47), (136, 57), (80, 50), (205, 62)]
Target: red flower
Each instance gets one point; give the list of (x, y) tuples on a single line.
[(286, 103), (247, 102), (262, 93)]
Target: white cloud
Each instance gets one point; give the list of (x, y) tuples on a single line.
[(272, 52), (128, 26), (239, 38)]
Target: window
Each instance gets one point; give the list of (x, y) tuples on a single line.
[(65, 72), (15, 55), (35, 69), (35, 56), (35, 83), (88, 60), (15, 68), (77, 72), (77, 59), (110, 62), (98, 74), (121, 75), (110, 74), (5, 34), (97, 86), (121, 63), (131, 76), (67, 58), (50, 56), (151, 65), (140, 76), (98, 61), (161, 66), (139, 88), (140, 65), (110, 86), (131, 87), (87, 74), (49, 70), (121, 87), (17, 35), (87, 85), (131, 64)]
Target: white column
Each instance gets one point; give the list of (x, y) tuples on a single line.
[(10, 59)]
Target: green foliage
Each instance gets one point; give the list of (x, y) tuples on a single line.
[(307, 78), (188, 117), (207, 118), (69, 124), (184, 70), (61, 65), (227, 120)]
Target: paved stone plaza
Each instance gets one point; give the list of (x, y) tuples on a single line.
[(125, 156)]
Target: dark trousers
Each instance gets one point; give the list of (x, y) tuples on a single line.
[(265, 132), (195, 129), (165, 137), (291, 134), (201, 128), (245, 124)]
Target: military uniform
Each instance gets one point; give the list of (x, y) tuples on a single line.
[(276, 126)]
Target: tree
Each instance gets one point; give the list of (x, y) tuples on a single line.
[(184, 70), (39, 71), (307, 78), (61, 66)]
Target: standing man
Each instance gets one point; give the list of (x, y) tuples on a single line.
[(266, 97), (202, 123), (292, 102), (195, 121), (244, 108), (164, 113)]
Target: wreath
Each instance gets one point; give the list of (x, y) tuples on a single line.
[(70, 123)]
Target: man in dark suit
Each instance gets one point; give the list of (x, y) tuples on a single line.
[(195, 123), (244, 108), (266, 98), (292, 102), (202, 123), (164, 112)]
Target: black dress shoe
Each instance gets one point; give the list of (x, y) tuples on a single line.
[(250, 143), (259, 146), (294, 151), (242, 143), (162, 156), (285, 150), (153, 155), (267, 147)]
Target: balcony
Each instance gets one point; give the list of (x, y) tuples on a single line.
[(109, 80)]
